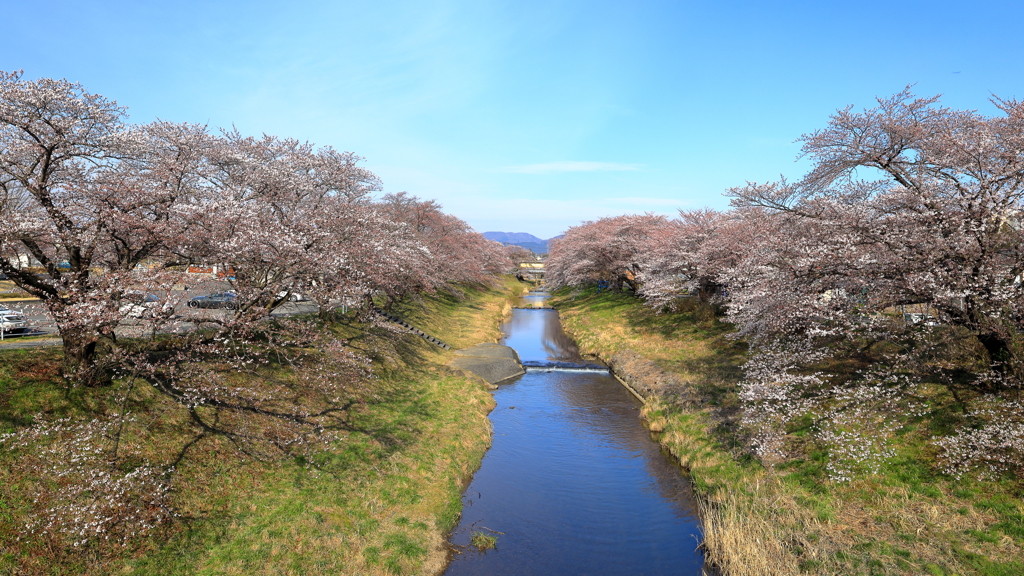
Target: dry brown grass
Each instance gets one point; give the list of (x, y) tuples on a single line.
[(741, 531), (766, 529), (747, 517), (9, 291)]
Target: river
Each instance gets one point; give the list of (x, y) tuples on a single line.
[(573, 483)]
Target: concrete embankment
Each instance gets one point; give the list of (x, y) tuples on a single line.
[(491, 362)]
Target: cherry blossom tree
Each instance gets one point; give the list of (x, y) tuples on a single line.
[(283, 218), (908, 203), (105, 209), (72, 205), (938, 225), (688, 256), (608, 249), (96, 214), (452, 252)]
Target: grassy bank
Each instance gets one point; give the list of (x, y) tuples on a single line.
[(8, 291), (379, 501), (791, 519)]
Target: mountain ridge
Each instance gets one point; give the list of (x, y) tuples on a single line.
[(524, 239)]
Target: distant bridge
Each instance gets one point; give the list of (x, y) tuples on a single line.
[(530, 270)]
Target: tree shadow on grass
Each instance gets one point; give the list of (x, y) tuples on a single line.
[(30, 383), (714, 376), (382, 346)]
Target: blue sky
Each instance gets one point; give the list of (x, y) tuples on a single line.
[(528, 116)]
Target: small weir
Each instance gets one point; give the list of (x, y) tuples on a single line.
[(565, 366), (573, 483)]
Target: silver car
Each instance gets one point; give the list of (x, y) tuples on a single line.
[(139, 305), (12, 323), (292, 296)]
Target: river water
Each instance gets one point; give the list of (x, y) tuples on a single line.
[(573, 483)]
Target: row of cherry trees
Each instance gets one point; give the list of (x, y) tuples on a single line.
[(107, 208), (909, 206), (96, 213)]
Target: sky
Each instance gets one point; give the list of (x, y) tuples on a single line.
[(528, 116)]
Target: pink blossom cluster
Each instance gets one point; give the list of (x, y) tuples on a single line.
[(87, 494), (606, 250), (994, 446)]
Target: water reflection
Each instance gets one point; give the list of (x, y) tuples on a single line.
[(572, 478), (601, 411), (522, 330)]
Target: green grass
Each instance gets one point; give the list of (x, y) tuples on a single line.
[(376, 503), (482, 541), (379, 501)]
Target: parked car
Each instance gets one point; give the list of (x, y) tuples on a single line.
[(292, 297), (12, 323), (141, 305), (920, 318), (217, 300)]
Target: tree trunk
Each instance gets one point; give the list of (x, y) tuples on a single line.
[(629, 279), (998, 349), (706, 290), (80, 359)]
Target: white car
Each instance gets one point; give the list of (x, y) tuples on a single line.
[(12, 323), (139, 305), (920, 318), (292, 297)]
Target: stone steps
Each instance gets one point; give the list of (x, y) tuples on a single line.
[(412, 329)]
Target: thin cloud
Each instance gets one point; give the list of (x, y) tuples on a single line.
[(648, 201), (552, 167)]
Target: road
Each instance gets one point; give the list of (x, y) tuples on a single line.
[(43, 325)]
